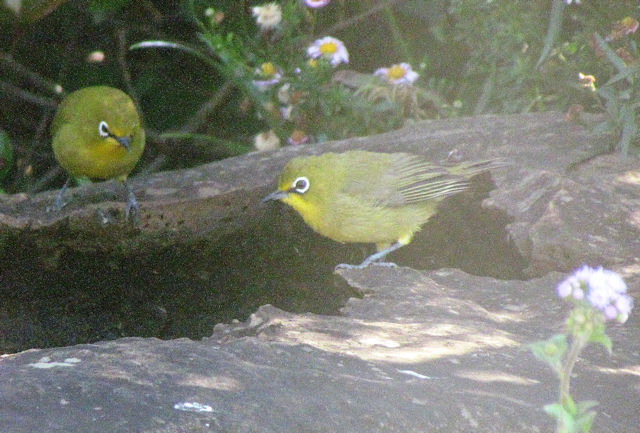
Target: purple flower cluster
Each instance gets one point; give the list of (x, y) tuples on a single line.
[(604, 290)]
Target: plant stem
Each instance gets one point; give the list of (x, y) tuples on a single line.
[(33, 77), (577, 345)]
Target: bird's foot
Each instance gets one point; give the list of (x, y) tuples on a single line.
[(57, 205), (131, 212), (58, 202)]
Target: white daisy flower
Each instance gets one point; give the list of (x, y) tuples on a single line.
[(329, 48), (398, 74), (268, 16)]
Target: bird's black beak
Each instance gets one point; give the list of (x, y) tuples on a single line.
[(124, 141), (276, 195)]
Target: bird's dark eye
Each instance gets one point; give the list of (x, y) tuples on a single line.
[(103, 129), (300, 185)]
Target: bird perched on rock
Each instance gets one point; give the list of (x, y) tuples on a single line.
[(371, 197), (97, 133)]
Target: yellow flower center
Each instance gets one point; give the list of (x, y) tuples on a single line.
[(267, 69), (328, 48), (395, 72)]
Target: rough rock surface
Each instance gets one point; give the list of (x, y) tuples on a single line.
[(558, 170), (421, 351)]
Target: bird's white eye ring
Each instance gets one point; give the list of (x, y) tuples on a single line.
[(300, 185), (103, 129)]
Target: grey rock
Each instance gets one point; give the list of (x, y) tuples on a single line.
[(417, 351), (433, 351)]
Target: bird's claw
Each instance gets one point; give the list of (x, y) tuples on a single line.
[(57, 205), (131, 212), (58, 202)]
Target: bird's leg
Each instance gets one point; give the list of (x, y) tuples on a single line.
[(58, 204), (132, 204), (373, 258)]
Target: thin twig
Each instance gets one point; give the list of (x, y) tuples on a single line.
[(207, 108), (18, 93), (34, 77), (121, 36), (40, 137)]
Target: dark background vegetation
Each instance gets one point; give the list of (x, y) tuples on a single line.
[(473, 56)]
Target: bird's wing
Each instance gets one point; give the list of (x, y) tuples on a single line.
[(399, 179), (418, 180)]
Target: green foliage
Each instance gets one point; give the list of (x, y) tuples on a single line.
[(551, 351), (597, 295), (620, 95), (572, 417), (6, 155), (517, 56), (199, 101), (553, 31), (588, 324), (270, 69), (498, 41)]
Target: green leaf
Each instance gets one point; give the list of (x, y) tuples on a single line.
[(571, 48), (612, 106), (611, 55), (585, 416), (6, 154), (550, 351), (566, 420), (599, 337), (583, 406), (584, 422), (606, 92), (553, 30), (629, 132), (628, 71), (176, 46)]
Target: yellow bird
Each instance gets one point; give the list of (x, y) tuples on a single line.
[(97, 133), (370, 197)]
